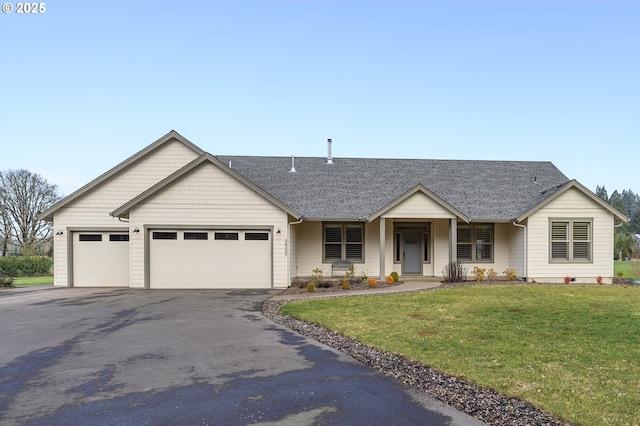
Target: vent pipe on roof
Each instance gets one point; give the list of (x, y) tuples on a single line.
[(329, 157), (293, 168)]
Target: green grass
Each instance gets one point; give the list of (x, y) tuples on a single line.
[(43, 280), (624, 267), (571, 350)]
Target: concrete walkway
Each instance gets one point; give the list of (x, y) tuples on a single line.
[(406, 286)]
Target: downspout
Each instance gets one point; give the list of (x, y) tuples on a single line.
[(287, 248), (526, 258)]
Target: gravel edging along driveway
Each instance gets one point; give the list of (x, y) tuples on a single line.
[(482, 403)]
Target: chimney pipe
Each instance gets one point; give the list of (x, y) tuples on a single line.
[(293, 168), (329, 157)]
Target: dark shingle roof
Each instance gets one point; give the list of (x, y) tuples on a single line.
[(354, 188)]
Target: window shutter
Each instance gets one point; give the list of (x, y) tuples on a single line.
[(464, 234), (333, 234), (354, 234), (582, 240), (559, 231)]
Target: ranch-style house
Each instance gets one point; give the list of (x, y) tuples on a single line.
[(175, 216)]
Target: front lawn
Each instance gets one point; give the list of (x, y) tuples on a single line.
[(41, 280), (571, 350)]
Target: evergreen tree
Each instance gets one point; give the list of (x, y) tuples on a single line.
[(601, 192)]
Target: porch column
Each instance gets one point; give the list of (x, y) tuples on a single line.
[(382, 246), (453, 239)]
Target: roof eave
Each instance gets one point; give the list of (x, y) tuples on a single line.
[(572, 184)]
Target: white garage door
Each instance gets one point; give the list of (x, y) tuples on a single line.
[(210, 259), (100, 259)]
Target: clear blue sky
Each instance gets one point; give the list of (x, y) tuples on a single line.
[(87, 84)]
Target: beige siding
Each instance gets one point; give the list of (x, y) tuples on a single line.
[(92, 209), (516, 250), (440, 255), (207, 197), (137, 177), (293, 249), (571, 205), (501, 255), (418, 205), (309, 250)]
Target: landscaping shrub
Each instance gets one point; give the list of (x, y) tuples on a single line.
[(373, 283), (389, 280), (492, 275), (454, 272), (6, 281), (478, 273), (311, 287), (511, 274), (25, 266), (395, 277), (346, 285)]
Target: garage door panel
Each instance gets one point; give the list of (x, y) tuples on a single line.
[(100, 259), (224, 260)]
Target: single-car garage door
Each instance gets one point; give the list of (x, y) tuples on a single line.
[(100, 259), (210, 259)]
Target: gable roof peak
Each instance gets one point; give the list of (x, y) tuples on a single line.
[(170, 136)]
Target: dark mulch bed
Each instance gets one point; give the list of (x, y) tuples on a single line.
[(331, 285)]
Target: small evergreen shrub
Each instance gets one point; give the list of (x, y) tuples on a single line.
[(511, 274), (311, 287), (395, 276), (6, 281), (492, 275), (346, 285), (478, 273)]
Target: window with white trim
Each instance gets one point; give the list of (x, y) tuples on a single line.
[(475, 242), (570, 240), (343, 242)]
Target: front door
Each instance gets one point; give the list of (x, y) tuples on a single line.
[(411, 254)]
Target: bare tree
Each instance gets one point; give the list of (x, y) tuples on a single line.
[(23, 196)]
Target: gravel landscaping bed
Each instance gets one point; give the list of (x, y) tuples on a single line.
[(484, 404)]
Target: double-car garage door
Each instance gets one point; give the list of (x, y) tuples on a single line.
[(210, 258), (177, 259)]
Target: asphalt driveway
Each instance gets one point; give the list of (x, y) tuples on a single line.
[(197, 357)]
